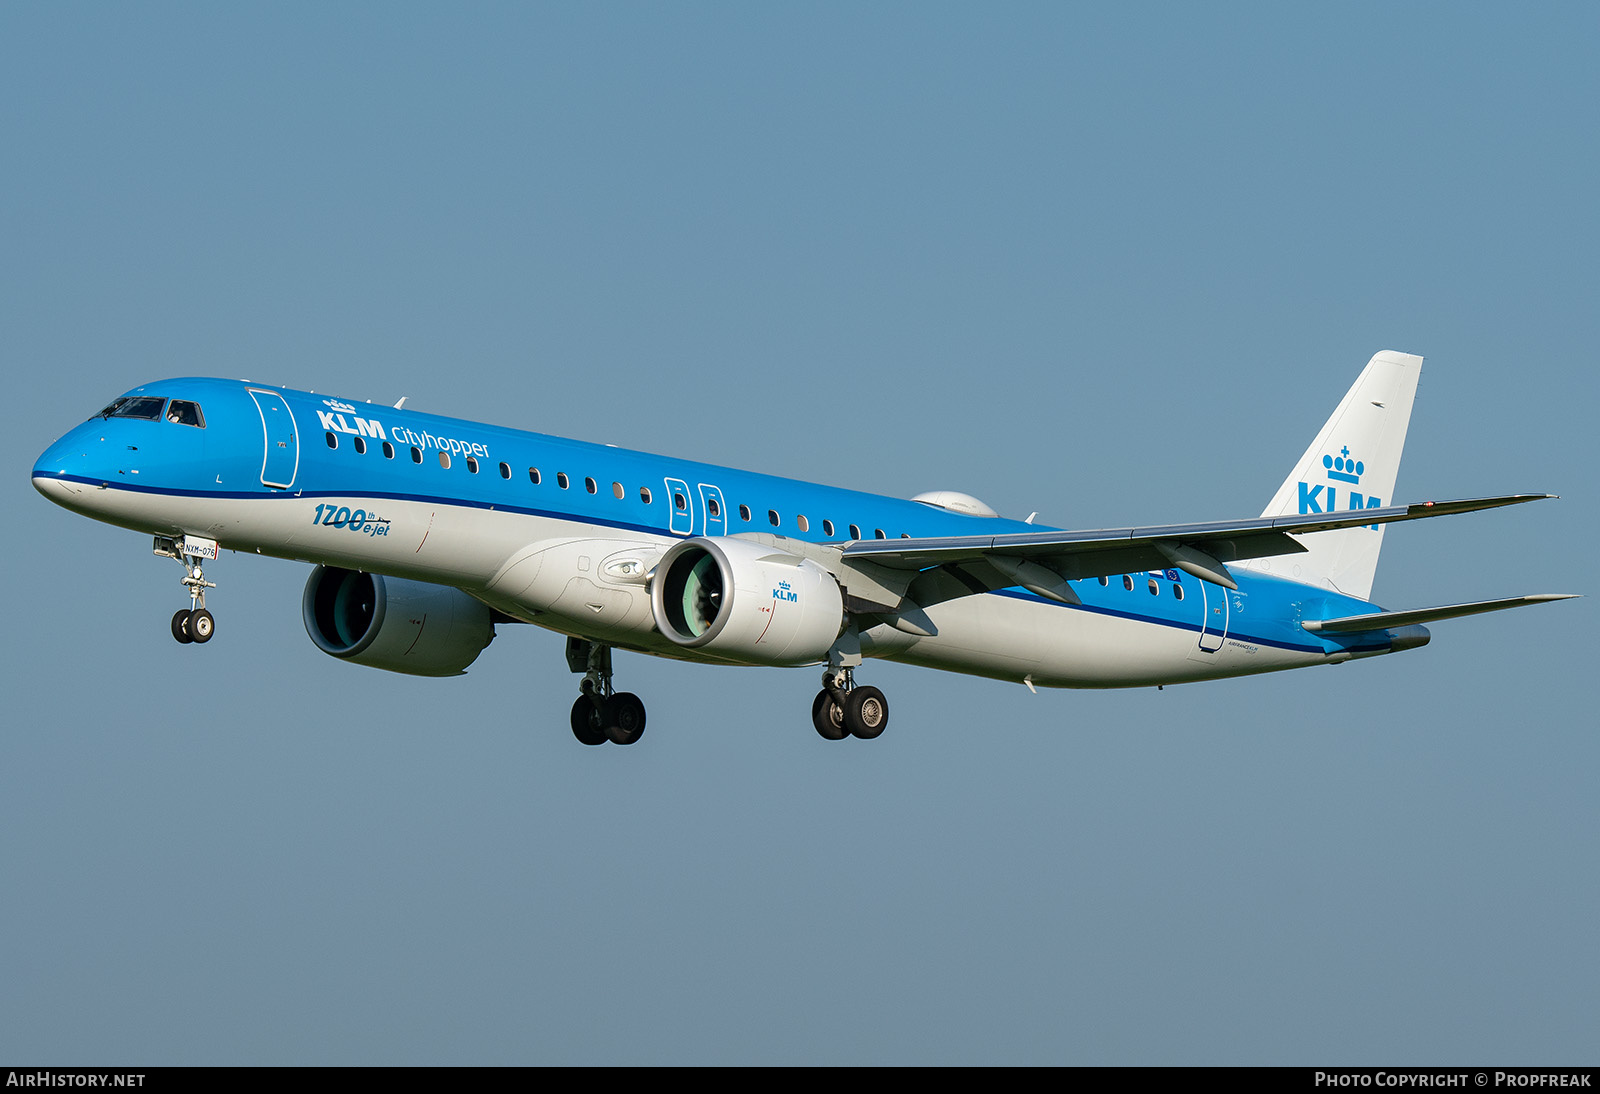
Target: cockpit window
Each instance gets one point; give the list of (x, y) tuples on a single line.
[(185, 413), (145, 407)]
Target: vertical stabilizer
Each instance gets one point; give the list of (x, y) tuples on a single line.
[(1353, 464)]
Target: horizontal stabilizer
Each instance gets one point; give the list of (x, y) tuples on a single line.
[(1382, 621)]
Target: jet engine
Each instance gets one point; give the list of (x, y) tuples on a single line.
[(394, 624), (739, 600)]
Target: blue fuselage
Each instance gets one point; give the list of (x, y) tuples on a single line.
[(300, 475)]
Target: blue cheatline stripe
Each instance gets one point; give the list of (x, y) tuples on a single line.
[(299, 495)]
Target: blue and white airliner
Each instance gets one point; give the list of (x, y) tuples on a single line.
[(427, 532)]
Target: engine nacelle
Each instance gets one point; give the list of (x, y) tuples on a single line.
[(394, 624), (746, 602)]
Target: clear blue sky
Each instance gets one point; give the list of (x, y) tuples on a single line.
[(1111, 265)]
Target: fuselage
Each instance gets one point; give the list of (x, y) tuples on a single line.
[(398, 492)]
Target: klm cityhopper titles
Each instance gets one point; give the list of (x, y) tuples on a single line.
[(427, 532)]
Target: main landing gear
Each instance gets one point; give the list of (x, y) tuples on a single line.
[(601, 714), (194, 623), (842, 708), (845, 709)]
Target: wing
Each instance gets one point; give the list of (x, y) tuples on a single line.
[(943, 568)]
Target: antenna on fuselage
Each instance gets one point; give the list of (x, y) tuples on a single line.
[(402, 402)]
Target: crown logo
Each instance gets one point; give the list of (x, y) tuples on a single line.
[(1343, 468), (337, 405)]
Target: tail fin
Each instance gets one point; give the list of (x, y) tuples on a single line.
[(1352, 464)]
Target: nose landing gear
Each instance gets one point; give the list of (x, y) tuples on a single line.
[(193, 624)]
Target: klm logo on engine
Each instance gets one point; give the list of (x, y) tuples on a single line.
[(1324, 496), (784, 592), (334, 421)]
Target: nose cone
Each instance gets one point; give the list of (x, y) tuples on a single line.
[(66, 470), (56, 489), (52, 463)]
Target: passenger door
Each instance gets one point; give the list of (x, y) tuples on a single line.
[(281, 461)]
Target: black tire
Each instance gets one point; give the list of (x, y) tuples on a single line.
[(585, 726), (624, 718), (201, 625), (866, 712), (180, 627), (828, 717)]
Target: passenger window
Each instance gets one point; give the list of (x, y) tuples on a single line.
[(533, 475), (444, 460), (333, 442), (184, 412), (772, 517), (805, 525), (590, 485), (361, 446), (1155, 590), (855, 532), (905, 535), (744, 512), (472, 464), (678, 503), (827, 528), (617, 491), (1104, 580), (712, 507), (505, 470), (1127, 582), (388, 450), (1177, 591), (644, 494), (416, 454), (562, 480), (877, 533)]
